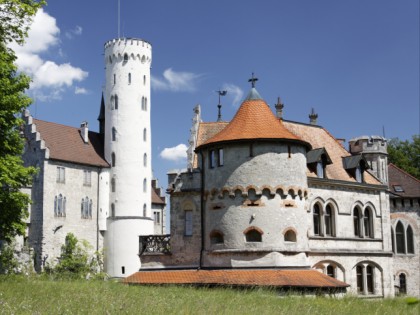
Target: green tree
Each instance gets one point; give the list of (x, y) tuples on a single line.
[(405, 155), (15, 17)]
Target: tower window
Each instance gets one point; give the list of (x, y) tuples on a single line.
[(216, 237), (145, 160), (112, 210), (113, 159), (145, 103), (253, 236), (145, 185), (142, 103), (144, 210), (129, 78), (220, 157), (125, 57), (114, 134), (317, 221), (116, 101), (212, 159), (115, 78), (290, 236), (145, 134), (113, 185), (144, 80)]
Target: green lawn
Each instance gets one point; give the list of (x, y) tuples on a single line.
[(37, 295)]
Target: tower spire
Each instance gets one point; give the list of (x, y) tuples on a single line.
[(219, 106)]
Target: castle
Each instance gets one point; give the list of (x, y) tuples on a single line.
[(259, 193)]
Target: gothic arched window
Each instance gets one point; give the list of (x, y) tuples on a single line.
[(328, 219), (317, 221), (367, 223), (400, 238), (357, 222), (410, 240)]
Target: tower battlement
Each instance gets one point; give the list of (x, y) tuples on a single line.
[(124, 49), (365, 144)]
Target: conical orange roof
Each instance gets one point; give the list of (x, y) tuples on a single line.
[(254, 120)]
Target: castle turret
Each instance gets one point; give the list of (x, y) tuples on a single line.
[(374, 150), (128, 150)]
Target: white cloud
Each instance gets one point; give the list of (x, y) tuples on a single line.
[(176, 81), (49, 79), (176, 154), (234, 92), (76, 31), (80, 90)]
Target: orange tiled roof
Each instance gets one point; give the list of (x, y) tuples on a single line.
[(66, 144), (408, 183), (319, 137), (253, 120), (240, 277)]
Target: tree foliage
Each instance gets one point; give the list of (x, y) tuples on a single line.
[(405, 155), (15, 17)]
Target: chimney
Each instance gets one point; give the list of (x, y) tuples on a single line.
[(313, 117), (279, 108), (84, 131)]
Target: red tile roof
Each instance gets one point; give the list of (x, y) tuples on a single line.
[(254, 120), (240, 277), (66, 144), (398, 177), (319, 137), (156, 199)]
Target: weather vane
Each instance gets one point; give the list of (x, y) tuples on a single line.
[(219, 106), (253, 80)]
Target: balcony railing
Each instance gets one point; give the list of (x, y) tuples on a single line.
[(154, 244)]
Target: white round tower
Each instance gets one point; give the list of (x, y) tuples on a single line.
[(128, 150)]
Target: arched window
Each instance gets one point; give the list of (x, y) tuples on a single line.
[(145, 160), (60, 205), (400, 238), (90, 209), (290, 236), (359, 276), (113, 185), (410, 240), (114, 134), (403, 283), (116, 101), (253, 236), (144, 134), (145, 103), (331, 271), (112, 210), (115, 78), (367, 223), (125, 57), (328, 218), (113, 159), (144, 80), (145, 185), (216, 237), (129, 78), (188, 222), (356, 222), (144, 210), (317, 221)]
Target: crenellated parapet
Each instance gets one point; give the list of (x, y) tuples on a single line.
[(126, 49)]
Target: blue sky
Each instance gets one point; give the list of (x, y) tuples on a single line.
[(356, 62)]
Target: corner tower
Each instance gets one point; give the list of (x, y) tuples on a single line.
[(127, 144)]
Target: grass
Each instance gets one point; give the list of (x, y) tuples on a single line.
[(38, 295)]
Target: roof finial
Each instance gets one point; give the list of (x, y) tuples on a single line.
[(279, 108), (219, 106), (253, 80), (313, 117)]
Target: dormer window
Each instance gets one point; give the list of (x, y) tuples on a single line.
[(317, 161), (355, 165), (398, 188)]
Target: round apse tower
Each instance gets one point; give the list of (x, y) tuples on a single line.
[(127, 145)]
